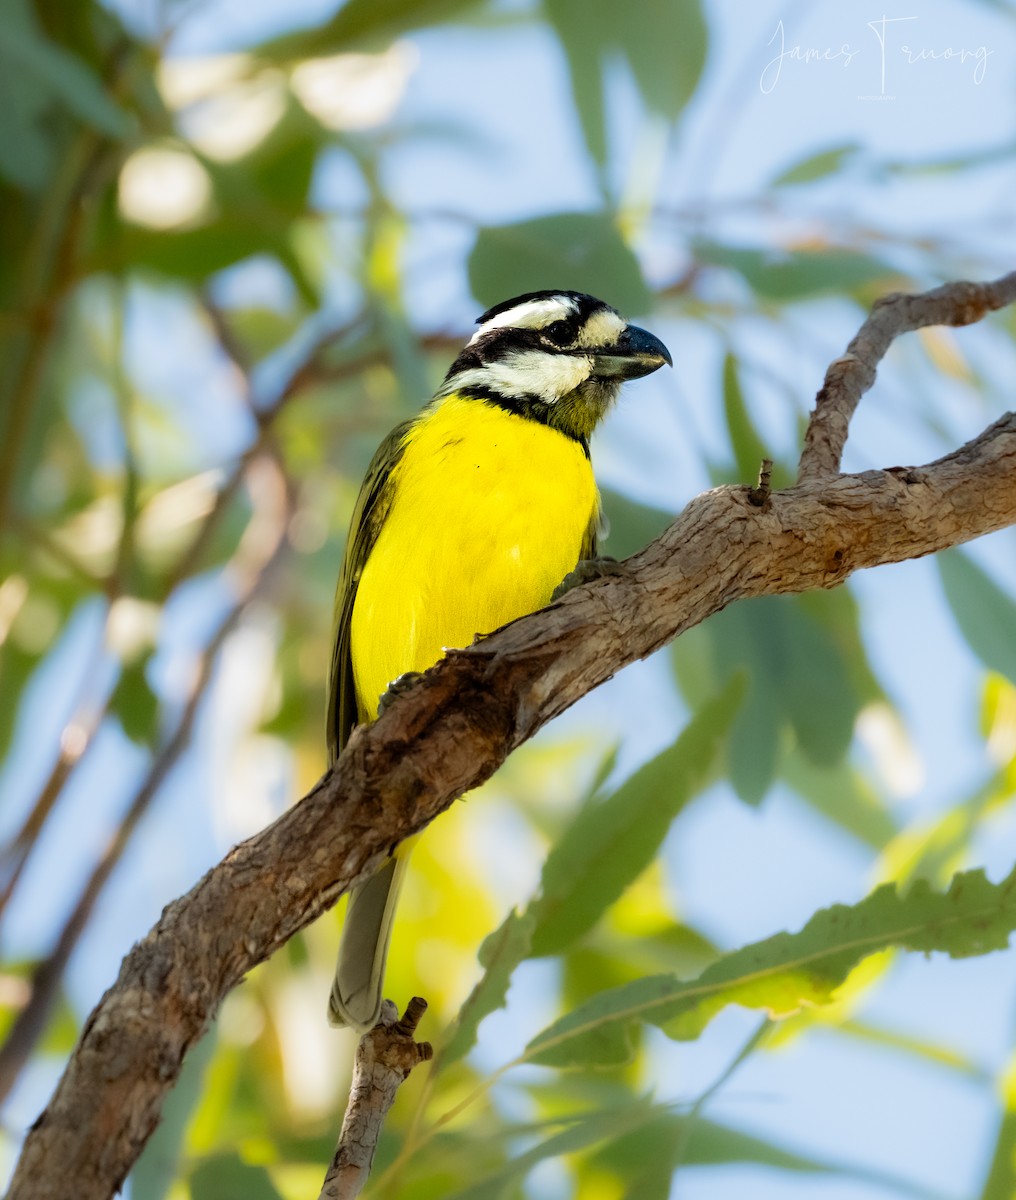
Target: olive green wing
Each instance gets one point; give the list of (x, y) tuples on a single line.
[(372, 507), (596, 529)]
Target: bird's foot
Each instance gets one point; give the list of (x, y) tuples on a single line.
[(396, 688), (588, 569)]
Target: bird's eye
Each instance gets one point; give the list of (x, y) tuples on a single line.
[(558, 332)]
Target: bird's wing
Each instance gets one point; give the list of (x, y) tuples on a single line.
[(596, 529), (369, 513)]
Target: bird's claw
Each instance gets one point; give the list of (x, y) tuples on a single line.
[(587, 570), (396, 688)]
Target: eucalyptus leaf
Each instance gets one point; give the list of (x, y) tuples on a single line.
[(227, 1177), (499, 955), (135, 704), (817, 166), (630, 524), (581, 1133), (799, 683), (664, 44), (1000, 1183), (984, 612), (158, 1166), (63, 76), (749, 449), (791, 275), (787, 971), (843, 795), (649, 1155), (584, 31), (581, 251), (612, 840)]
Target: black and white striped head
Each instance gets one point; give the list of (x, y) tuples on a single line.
[(557, 357)]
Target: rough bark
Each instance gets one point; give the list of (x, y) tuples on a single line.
[(384, 1057), (451, 732)]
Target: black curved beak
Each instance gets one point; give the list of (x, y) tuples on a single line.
[(636, 352)]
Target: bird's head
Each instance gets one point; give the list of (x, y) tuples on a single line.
[(558, 357)]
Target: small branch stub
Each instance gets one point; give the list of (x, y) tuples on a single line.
[(759, 495), (385, 1056)]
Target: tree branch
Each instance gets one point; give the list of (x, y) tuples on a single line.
[(446, 736), (384, 1057), (850, 376)]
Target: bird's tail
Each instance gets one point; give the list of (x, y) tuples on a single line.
[(359, 974)]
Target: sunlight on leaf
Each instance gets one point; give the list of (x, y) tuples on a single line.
[(789, 970)]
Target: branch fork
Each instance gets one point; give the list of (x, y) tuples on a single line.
[(384, 1058)]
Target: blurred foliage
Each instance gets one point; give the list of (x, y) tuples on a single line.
[(199, 357)]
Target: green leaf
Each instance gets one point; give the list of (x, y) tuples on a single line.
[(817, 695), (1001, 1181), (710, 1143), (27, 151), (581, 30), (260, 331), (649, 1155), (817, 166), (788, 971), (158, 1167), (581, 251), (630, 525), (368, 24), (664, 44), (612, 840), (796, 274), (985, 613), (931, 1052), (749, 449), (271, 183), (837, 612), (135, 704), (584, 1131), (755, 747), (16, 667), (61, 75), (228, 1177), (843, 795), (499, 955), (195, 254), (799, 681)]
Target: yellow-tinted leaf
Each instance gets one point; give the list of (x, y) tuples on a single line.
[(789, 970)]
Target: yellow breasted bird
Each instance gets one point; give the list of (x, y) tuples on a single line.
[(470, 515)]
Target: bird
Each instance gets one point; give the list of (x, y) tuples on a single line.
[(470, 515)]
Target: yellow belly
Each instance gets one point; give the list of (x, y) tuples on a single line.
[(489, 515)]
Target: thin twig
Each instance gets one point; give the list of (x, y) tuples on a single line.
[(384, 1057), (851, 375), (123, 564), (31, 1022), (310, 370), (77, 736)]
